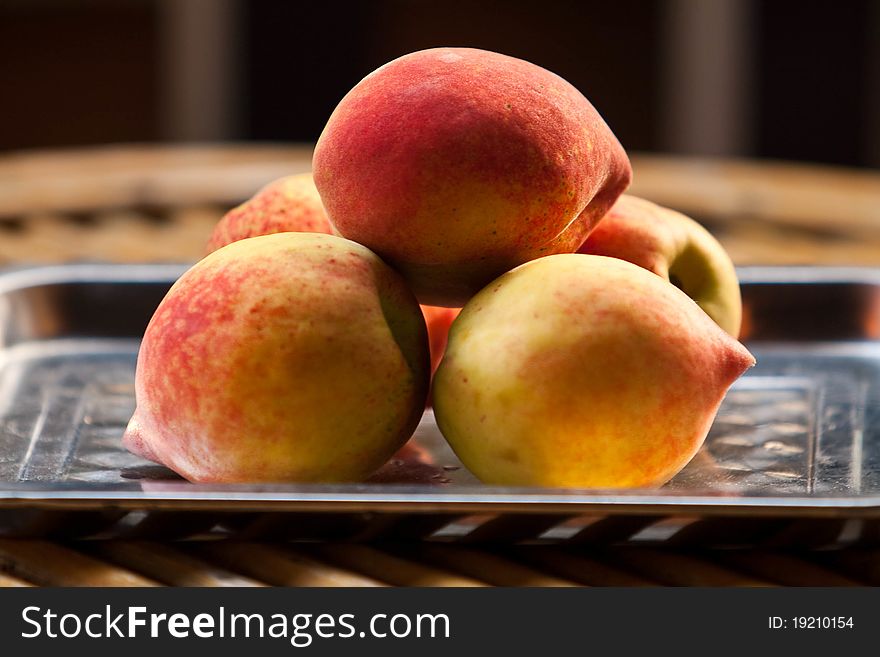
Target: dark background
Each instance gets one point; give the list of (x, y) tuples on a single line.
[(787, 79)]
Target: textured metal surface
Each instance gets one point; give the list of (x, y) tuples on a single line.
[(799, 435)]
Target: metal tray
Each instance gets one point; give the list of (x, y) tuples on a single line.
[(797, 437)]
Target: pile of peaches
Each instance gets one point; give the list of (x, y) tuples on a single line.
[(593, 335)]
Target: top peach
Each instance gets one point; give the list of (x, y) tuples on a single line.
[(456, 165)]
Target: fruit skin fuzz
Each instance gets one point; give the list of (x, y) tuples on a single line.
[(289, 204), (456, 165), (582, 371), (288, 357)]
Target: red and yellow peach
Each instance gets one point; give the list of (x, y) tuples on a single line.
[(288, 357), (456, 165)]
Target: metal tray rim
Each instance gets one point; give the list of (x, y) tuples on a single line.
[(393, 497)]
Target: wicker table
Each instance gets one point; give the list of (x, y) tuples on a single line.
[(149, 204)]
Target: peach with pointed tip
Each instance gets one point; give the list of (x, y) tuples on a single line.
[(289, 204), (287, 357), (582, 371), (457, 164), (675, 247)]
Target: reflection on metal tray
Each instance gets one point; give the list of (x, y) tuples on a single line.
[(797, 437)]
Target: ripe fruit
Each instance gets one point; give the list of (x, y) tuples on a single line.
[(288, 357), (456, 165), (287, 204), (582, 371), (676, 248), (438, 320)]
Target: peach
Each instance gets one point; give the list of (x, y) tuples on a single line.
[(438, 320), (582, 371), (456, 165), (291, 204), (675, 247), (287, 357)]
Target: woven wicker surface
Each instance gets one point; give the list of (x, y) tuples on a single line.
[(159, 204), (230, 563), (142, 204)]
